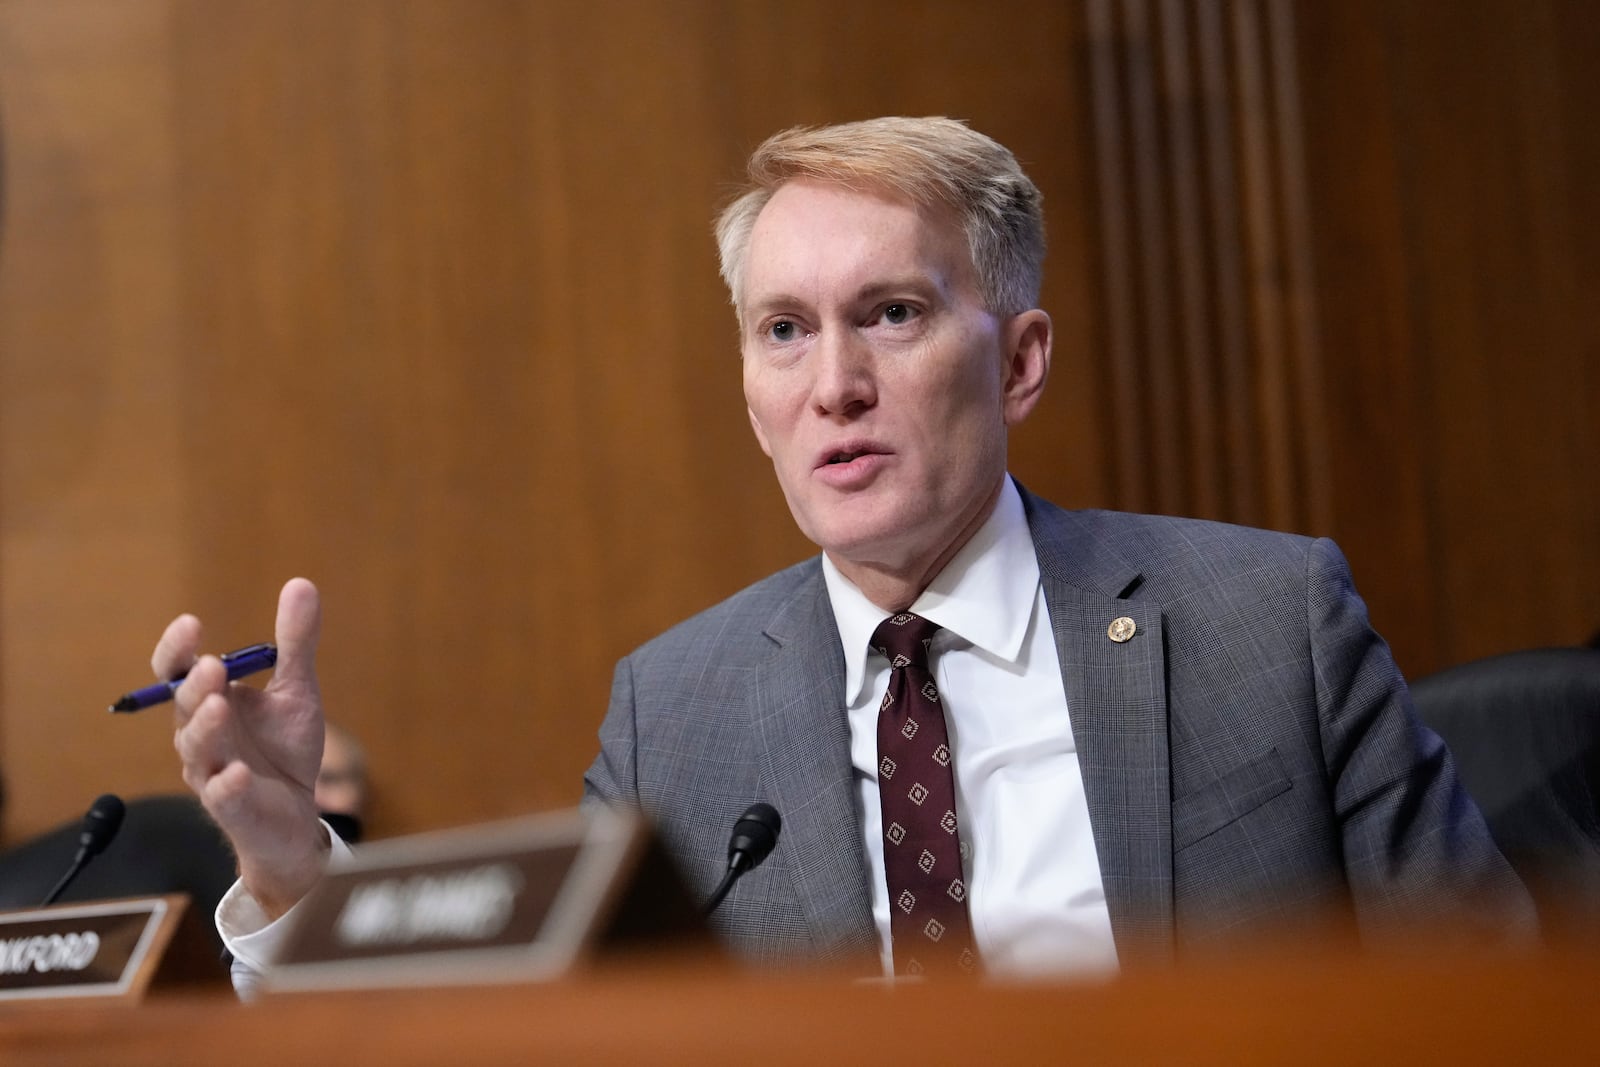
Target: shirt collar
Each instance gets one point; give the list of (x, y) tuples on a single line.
[(985, 594)]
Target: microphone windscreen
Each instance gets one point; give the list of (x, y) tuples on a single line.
[(101, 823), (755, 833)]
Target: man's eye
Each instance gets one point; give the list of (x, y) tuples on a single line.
[(899, 314), (783, 331)]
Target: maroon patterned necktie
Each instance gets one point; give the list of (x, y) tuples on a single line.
[(916, 787)]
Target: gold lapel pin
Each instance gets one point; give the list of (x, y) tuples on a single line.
[(1121, 629)]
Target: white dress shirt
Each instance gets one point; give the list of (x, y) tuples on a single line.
[(1035, 895), (250, 937)]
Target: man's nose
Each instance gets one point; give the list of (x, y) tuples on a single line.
[(845, 381)]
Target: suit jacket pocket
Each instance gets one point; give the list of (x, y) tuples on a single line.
[(1236, 794)]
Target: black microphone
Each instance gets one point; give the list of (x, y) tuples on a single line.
[(100, 825), (753, 837)]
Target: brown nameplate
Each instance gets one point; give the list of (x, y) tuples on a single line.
[(513, 901), (77, 951)]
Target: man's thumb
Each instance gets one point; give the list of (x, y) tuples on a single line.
[(299, 624)]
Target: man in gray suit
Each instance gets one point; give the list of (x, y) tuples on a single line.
[(1162, 734)]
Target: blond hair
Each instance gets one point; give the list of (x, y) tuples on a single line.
[(934, 163)]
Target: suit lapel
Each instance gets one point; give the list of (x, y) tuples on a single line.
[(805, 741), (1117, 701)]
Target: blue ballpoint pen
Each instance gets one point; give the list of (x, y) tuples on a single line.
[(239, 662)]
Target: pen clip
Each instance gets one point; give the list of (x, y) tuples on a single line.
[(242, 653)]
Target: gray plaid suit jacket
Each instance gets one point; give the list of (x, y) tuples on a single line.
[(1250, 757)]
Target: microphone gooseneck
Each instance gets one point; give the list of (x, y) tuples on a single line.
[(754, 836), (100, 825)]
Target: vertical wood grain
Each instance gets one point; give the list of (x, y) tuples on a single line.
[(1206, 251)]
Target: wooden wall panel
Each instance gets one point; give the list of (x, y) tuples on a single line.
[(1209, 293), (430, 314), (1450, 162), (1340, 286), (90, 364)]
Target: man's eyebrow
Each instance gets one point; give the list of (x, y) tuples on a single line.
[(774, 300), (920, 285), (916, 284), (777, 303)]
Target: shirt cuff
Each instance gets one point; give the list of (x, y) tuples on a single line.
[(252, 939)]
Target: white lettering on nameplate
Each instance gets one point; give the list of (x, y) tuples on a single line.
[(46, 953), (469, 905)]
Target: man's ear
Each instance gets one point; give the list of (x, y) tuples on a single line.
[(1027, 348), (761, 435)]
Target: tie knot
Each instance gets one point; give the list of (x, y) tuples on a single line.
[(903, 639)]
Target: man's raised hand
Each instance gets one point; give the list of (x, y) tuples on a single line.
[(251, 755)]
